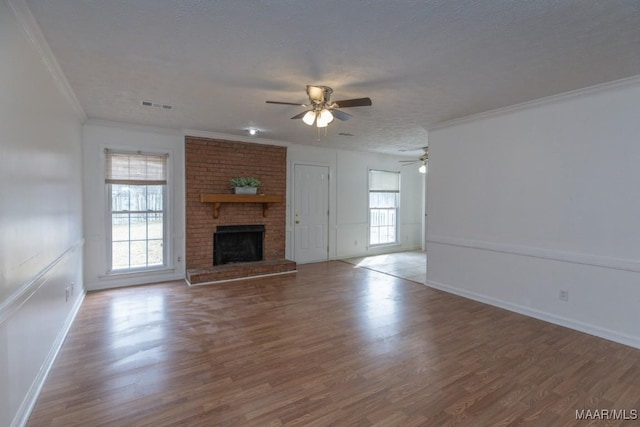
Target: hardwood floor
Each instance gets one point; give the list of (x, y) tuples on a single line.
[(410, 265), (330, 345)]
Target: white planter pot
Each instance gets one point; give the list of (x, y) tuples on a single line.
[(246, 190)]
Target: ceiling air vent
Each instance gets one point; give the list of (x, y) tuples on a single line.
[(152, 104)]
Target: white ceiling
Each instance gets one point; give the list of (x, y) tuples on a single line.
[(421, 62)]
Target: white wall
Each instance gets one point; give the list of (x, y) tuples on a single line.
[(348, 199), (98, 136), (540, 198), (40, 213)]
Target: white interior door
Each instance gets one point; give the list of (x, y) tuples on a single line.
[(311, 213)]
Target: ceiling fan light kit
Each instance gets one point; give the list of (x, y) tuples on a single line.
[(424, 159), (322, 111), (324, 118), (309, 117)]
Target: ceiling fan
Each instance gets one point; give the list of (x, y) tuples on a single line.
[(321, 109), (424, 159)]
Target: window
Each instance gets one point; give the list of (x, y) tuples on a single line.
[(384, 195), (136, 191)]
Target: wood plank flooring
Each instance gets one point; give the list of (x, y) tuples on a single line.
[(330, 345)]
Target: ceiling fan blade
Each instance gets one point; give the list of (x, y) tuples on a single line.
[(408, 162), (357, 102), (341, 115), (286, 103), (299, 116)]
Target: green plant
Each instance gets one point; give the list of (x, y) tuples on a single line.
[(248, 181)]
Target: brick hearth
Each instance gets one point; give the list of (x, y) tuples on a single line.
[(226, 272), (209, 165)]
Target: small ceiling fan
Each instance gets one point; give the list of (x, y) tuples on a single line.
[(321, 109), (424, 160)]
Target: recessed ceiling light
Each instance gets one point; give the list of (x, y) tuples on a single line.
[(253, 131)]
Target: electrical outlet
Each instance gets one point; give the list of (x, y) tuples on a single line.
[(179, 259), (564, 295), (355, 243)]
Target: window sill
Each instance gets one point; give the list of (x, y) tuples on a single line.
[(384, 245), (135, 273)]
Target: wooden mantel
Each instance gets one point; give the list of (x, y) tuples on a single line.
[(218, 199)]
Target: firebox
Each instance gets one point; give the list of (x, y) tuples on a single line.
[(238, 243)]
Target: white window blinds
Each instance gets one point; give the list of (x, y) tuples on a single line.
[(384, 181), (136, 168)]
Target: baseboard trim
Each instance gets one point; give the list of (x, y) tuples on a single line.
[(239, 278), (587, 328), (136, 279), (29, 401), (390, 249)]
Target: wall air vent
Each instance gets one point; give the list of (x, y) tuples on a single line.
[(345, 134), (152, 104)]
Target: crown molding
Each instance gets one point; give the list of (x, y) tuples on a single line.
[(235, 138), (186, 132), (612, 85), (133, 127), (28, 23)]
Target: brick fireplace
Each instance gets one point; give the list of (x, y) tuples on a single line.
[(209, 165)]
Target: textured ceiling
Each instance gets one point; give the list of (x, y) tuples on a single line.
[(421, 62)]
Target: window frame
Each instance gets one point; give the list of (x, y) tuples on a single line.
[(166, 215), (397, 208)]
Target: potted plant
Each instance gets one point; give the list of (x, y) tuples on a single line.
[(245, 185)]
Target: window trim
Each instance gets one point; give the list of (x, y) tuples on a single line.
[(369, 191), (167, 194)]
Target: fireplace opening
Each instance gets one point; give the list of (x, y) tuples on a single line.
[(238, 243)]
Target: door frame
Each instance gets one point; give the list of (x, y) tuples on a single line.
[(292, 206), (425, 205)]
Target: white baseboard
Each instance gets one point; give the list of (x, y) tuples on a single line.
[(587, 328), (133, 279), (379, 250), (30, 399)]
